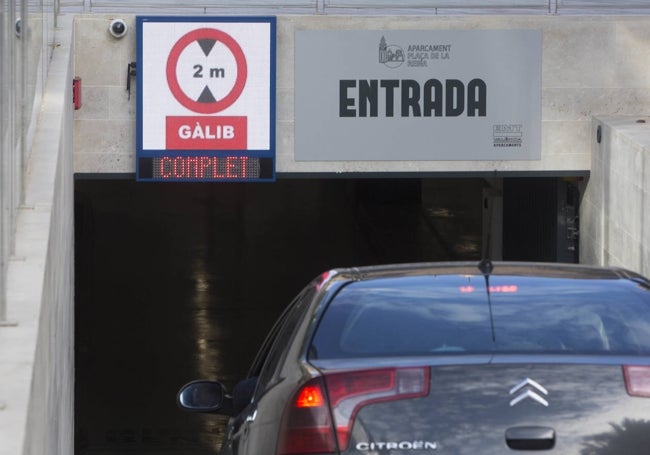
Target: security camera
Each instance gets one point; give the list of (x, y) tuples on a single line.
[(19, 27), (118, 28)]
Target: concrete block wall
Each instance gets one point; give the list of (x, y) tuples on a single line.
[(615, 217), (104, 127), (37, 355), (591, 66)]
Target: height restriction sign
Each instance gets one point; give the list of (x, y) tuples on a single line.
[(206, 99)]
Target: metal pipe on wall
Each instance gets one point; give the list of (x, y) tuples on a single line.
[(20, 49), (7, 131)]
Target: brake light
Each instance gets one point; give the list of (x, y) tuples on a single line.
[(308, 426), (637, 380), (310, 396), (507, 289), (306, 423)]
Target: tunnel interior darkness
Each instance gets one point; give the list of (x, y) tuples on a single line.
[(175, 282)]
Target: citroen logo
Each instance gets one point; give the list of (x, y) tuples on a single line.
[(528, 389)]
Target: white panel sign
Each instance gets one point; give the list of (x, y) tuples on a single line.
[(206, 98), (418, 95)]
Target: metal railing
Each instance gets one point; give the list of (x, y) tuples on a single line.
[(9, 48), (26, 31), (566, 7)]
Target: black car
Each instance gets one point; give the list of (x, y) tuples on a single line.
[(453, 358)]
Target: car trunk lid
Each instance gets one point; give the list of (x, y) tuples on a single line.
[(494, 408)]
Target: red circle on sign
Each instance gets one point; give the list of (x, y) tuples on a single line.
[(172, 62)]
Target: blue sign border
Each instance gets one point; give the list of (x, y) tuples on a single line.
[(145, 156)]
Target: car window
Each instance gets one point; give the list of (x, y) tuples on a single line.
[(406, 316), (263, 353), (580, 316), (285, 331), (450, 314)]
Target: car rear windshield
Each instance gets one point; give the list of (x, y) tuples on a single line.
[(425, 315)]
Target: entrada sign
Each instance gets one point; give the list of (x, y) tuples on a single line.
[(206, 99), (422, 95), (431, 99)]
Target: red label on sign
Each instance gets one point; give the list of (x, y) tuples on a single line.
[(207, 133)]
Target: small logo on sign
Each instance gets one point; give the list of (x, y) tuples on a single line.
[(507, 135), (390, 55)]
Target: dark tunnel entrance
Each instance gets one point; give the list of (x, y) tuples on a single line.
[(182, 281)]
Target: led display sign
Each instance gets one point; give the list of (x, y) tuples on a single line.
[(205, 168), (206, 99)]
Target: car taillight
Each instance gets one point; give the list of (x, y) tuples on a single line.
[(308, 426), (306, 423), (637, 380), (349, 392)]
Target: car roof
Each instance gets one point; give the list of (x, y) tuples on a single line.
[(499, 268)]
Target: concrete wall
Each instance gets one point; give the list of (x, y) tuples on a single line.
[(591, 66), (615, 218), (37, 355)]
